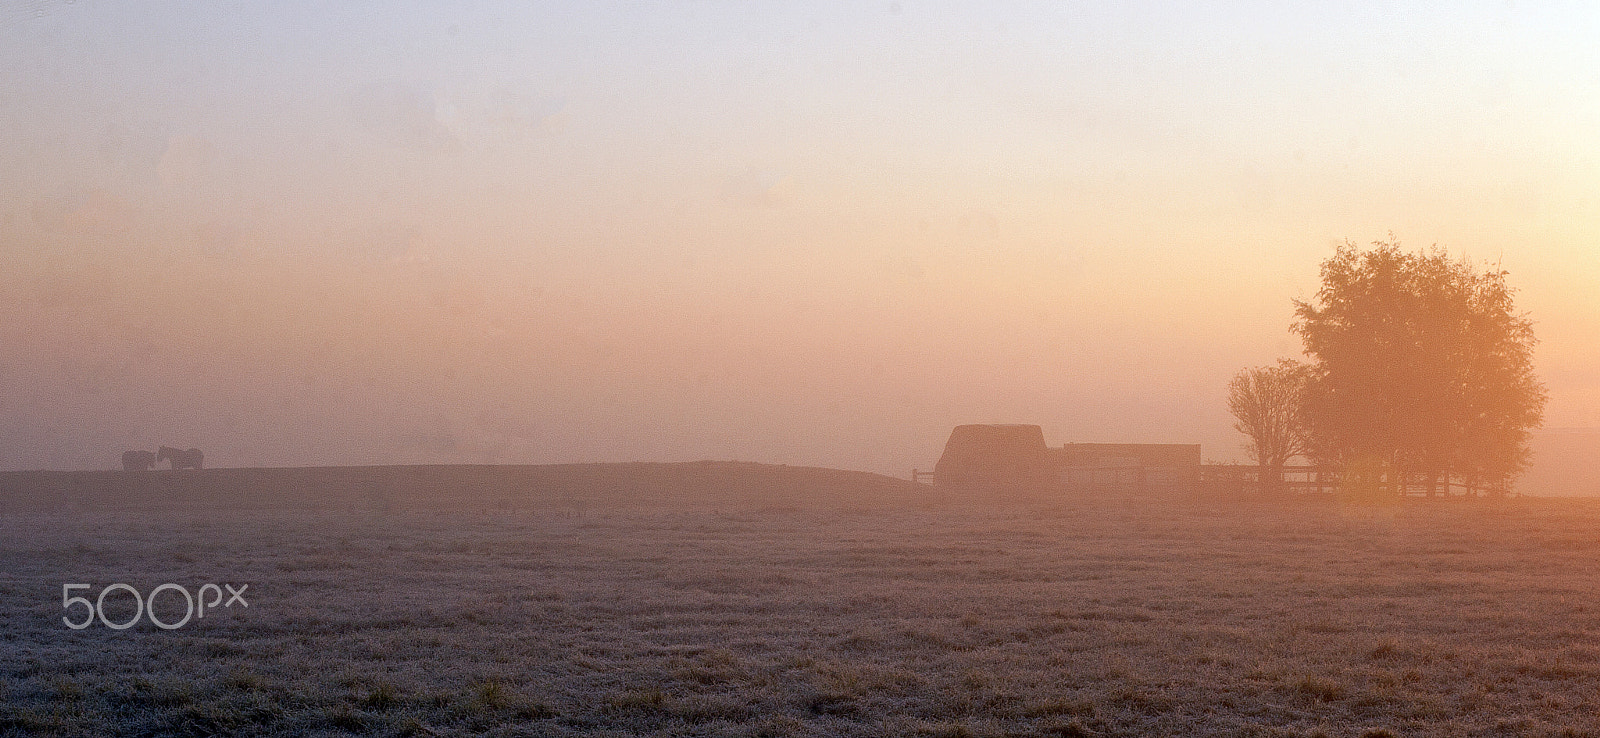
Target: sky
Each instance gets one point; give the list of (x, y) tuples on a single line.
[(816, 234)]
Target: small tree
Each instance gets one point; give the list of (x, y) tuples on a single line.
[(1421, 364), (1266, 405)]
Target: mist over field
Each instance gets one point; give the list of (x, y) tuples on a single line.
[(905, 368)]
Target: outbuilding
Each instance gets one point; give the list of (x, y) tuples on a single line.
[(1012, 460)]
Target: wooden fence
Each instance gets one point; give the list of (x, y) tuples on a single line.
[(1242, 479), (1302, 479)]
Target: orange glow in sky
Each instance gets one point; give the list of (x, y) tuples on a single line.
[(784, 234)]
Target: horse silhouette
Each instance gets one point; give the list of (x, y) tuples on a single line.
[(181, 459), (139, 460)]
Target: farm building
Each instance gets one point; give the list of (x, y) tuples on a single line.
[(1014, 461), (995, 459), (1150, 466)]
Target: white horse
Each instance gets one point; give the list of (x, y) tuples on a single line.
[(139, 460), (191, 459)]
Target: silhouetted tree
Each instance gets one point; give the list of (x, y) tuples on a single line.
[(1420, 363), (1266, 404)]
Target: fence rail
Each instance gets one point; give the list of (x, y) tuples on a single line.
[(1241, 479), (1303, 479)]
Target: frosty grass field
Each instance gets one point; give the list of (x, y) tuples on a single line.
[(1079, 619)]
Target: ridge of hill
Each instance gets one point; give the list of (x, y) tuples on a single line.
[(563, 487)]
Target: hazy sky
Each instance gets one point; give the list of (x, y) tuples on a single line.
[(347, 233)]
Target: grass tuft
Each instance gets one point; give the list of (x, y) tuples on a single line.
[(382, 697), (1325, 690)]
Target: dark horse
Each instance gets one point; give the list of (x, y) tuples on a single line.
[(191, 459), (139, 460)]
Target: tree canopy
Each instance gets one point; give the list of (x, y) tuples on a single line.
[(1420, 362)]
